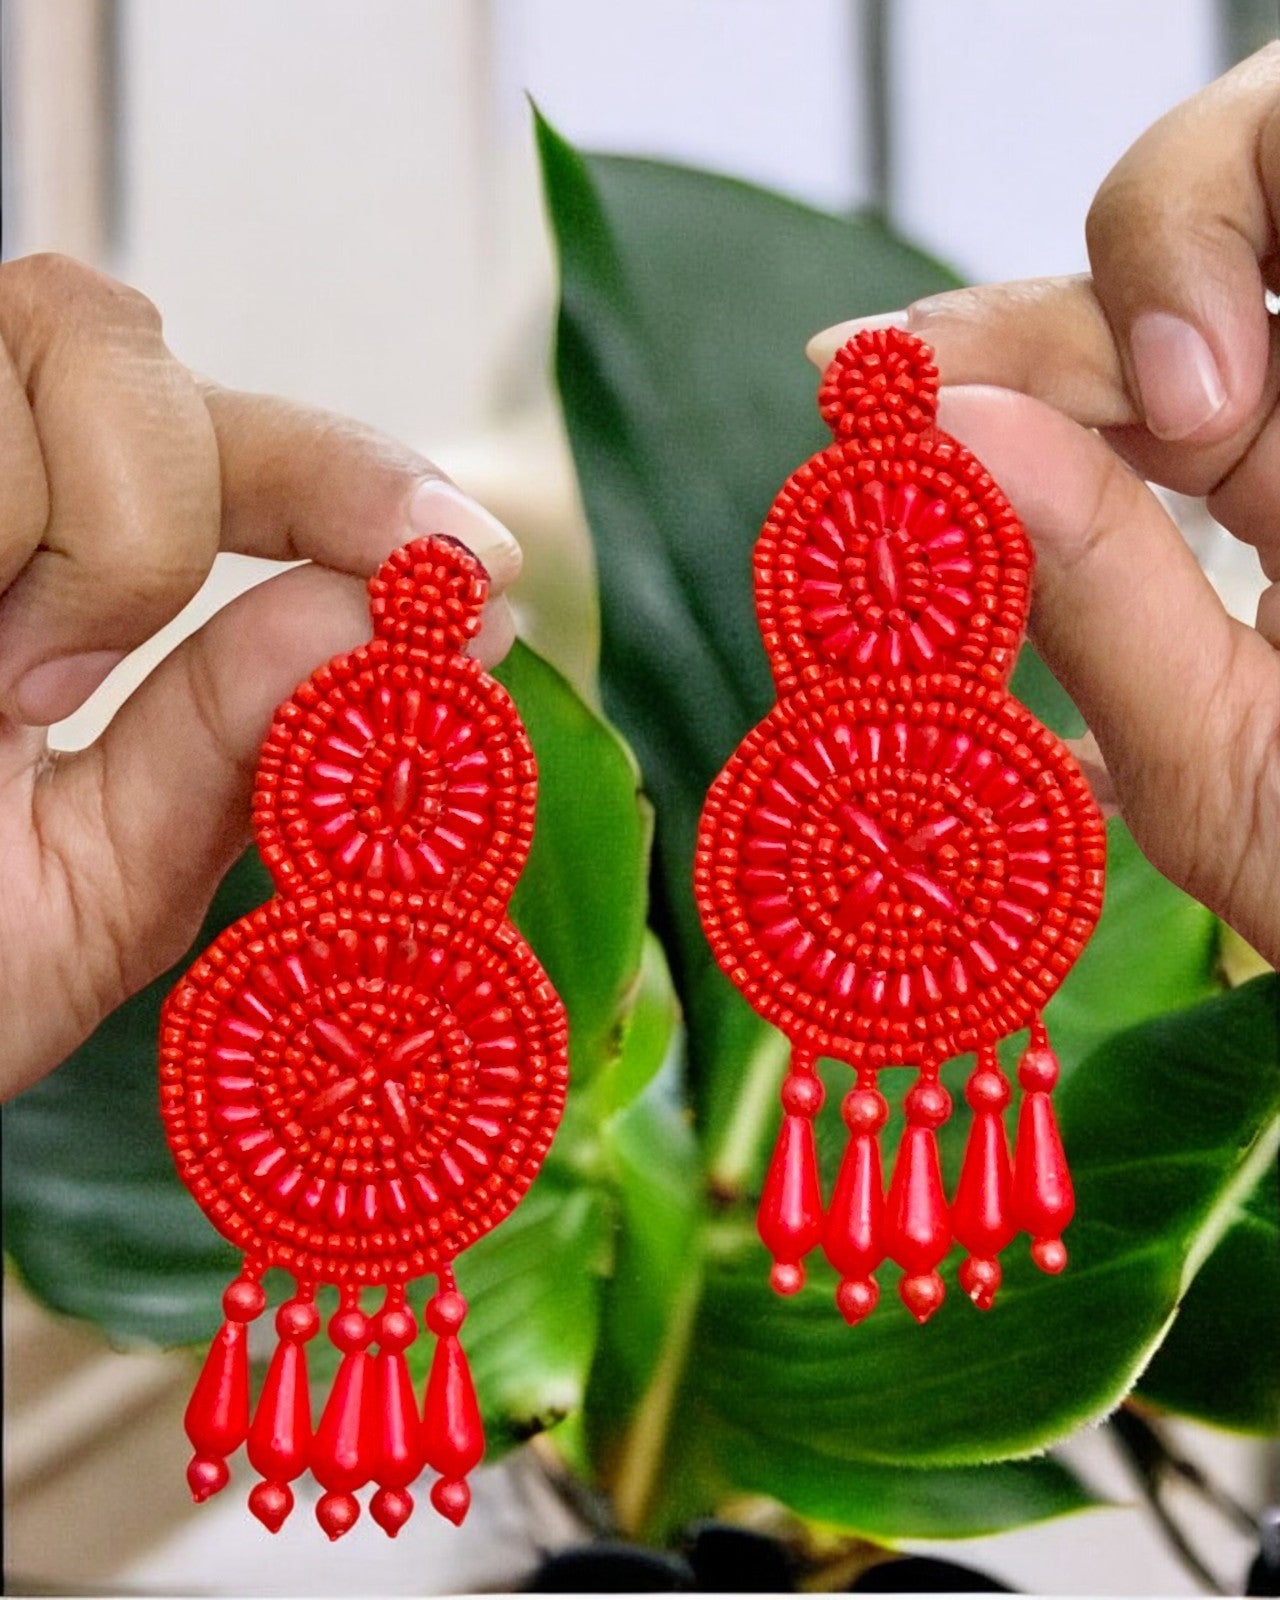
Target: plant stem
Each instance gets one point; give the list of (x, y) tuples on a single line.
[(644, 1450), (730, 1163), (1152, 1462)]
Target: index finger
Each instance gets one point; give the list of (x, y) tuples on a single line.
[(299, 484), (1045, 337), (1169, 334)]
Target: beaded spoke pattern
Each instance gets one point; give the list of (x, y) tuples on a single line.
[(378, 1091), (902, 875), (899, 864)]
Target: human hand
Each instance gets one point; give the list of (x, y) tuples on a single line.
[(124, 475), (1167, 349)]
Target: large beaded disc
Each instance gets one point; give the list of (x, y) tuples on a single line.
[(357, 1094), (899, 871), (908, 559)]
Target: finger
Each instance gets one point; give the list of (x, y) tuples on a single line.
[(301, 484), (1046, 337), (24, 492), (167, 786), (170, 780), (497, 633), (1170, 334), (1180, 697), (131, 471), (1092, 763), (1176, 236)]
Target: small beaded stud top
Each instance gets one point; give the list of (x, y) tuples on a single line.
[(362, 1077), (899, 864)]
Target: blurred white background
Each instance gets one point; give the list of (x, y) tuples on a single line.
[(338, 201)]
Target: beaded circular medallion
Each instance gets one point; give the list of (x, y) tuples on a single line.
[(899, 864), (362, 1077)]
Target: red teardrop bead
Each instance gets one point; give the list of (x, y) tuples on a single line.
[(280, 1438), (340, 1453), (453, 1433), (981, 1217), (790, 1214), (397, 1433), (217, 1415), (1043, 1199), (917, 1230)]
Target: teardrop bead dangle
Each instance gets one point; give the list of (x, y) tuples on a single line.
[(217, 1415), (917, 1226), (453, 1433), (790, 1214), (342, 1451), (853, 1238), (398, 1454), (981, 1217), (1043, 1197), (280, 1437)]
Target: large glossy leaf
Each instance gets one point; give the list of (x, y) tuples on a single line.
[(685, 303), (1182, 1114), (884, 1504), (1221, 1361), (582, 898), (99, 1225)]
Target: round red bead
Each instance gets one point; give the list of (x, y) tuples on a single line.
[(271, 1503), (396, 1328), (243, 1300), (987, 1090), (1038, 1070), (802, 1094), (445, 1312), (864, 1110), (928, 1104), (297, 1319), (787, 1277)]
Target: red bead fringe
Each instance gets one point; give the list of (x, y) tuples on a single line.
[(370, 1430), (912, 1224)]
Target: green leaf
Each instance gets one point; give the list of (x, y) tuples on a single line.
[(686, 300), (100, 1226), (1168, 1125), (1221, 1361), (887, 1504), (1154, 951), (533, 1290), (582, 899), (655, 1165)]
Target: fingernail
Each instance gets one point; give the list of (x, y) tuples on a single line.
[(1178, 379), (438, 507), (824, 345), (55, 689)]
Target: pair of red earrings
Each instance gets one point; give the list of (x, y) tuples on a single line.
[(898, 865)]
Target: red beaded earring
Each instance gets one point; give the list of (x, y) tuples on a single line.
[(899, 864), (362, 1077)]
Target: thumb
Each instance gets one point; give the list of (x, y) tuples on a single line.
[(171, 777), (1183, 699)]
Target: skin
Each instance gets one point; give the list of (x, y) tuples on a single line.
[(1071, 392), (124, 475)]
